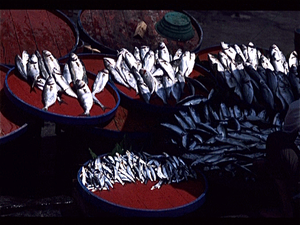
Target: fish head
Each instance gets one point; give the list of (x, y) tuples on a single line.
[(33, 59), (73, 56), (224, 45), (161, 45), (79, 84), (46, 53)]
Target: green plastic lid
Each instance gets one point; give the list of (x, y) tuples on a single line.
[(176, 26)]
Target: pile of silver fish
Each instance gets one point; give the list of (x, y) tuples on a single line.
[(254, 77), (227, 133), (102, 172), (44, 72), (152, 71)]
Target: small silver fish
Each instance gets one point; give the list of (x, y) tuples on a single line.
[(85, 96)]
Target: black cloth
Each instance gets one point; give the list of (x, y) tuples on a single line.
[(282, 155)]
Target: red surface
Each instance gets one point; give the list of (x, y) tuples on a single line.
[(138, 195), (10, 117), (32, 30), (71, 107)]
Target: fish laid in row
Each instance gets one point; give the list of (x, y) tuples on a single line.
[(151, 72), (44, 72), (102, 172), (256, 78)]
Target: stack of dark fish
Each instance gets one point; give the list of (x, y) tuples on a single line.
[(148, 71), (44, 72), (104, 171), (228, 129)]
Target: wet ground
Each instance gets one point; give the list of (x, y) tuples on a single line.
[(38, 171)]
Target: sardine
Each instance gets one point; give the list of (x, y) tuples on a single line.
[(67, 74), (85, 96)]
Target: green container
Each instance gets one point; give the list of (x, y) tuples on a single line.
[(176, 26)]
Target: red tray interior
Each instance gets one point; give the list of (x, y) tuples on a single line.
[(70, 107), (140, 196)]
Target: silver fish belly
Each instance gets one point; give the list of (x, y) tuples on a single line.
[(85, 96), (49, 93)]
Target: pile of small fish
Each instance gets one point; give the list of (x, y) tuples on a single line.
[(254, 77), (44, 72), (148, 71), (104, 171)]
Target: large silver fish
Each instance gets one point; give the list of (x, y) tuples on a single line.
[(277, 58), (167, 67), (110, 64), (149, 80), (100, 81), (148, 61), (49, 93), (43, 70), (77, 68), (143, 51), (50, 62), (143, 88), (163, 52), (99, 85), (85, 96), (62, 83), (33, 71), (253, 55), (21, 63)]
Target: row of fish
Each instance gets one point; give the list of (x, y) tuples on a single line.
[(152, 71), (256, 78), (102, 172), (44, 72), (214, 136)]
